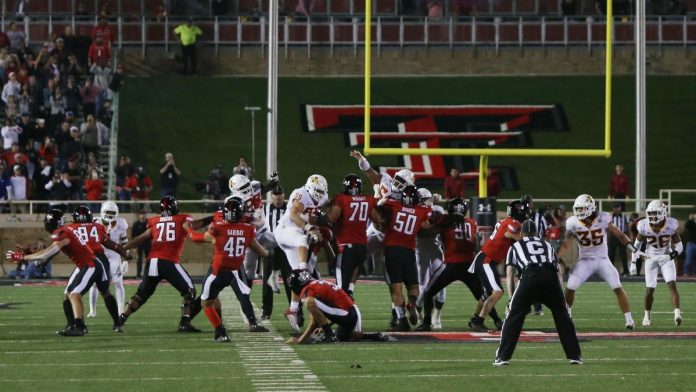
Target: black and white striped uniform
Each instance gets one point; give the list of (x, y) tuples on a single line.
[(540, 222), (614, 245), (537, 263), (276, 261)]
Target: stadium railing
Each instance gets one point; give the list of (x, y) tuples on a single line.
[(339, 7), (499, 31), (205, 205)]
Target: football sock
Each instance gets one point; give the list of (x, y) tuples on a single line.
[(195, 307), (412, 299), (351, 287), (93, 293), (119, 294), (212, 315), (79, 323), (628, 317), (647, 315), (393, 311), (294, 305), (677, 313), (400, 311), (112, 307), (439, 305), (67, 309)]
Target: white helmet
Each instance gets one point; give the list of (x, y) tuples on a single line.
[(109, 211), (402, 179), (240, 186), (584, 206), (317, 187), (425, 197), (656, 212)]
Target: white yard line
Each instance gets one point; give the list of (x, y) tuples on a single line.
[(269, 362)]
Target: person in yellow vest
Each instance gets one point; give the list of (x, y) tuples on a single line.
[(188, 33)]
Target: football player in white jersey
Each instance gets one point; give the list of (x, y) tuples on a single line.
[(589, 228), (663, 244), (117, 229), (385, 187), (295, 231), (429, 257)]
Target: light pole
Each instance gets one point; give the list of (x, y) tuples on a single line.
[(253, 110)]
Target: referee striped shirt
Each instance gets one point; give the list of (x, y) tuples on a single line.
[(531, 250), (620, 221), (540, 223), (273, 214)]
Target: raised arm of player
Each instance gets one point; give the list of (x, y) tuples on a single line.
[(364, 165), (625, 241), (201, 223), (133, 243)]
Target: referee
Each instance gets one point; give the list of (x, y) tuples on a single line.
[(538, 218), (537, 264)]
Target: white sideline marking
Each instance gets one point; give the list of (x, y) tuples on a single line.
[(487, 375), (268, 361)]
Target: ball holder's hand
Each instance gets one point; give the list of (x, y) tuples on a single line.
[(16, 256)]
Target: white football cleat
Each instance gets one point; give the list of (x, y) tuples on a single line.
[(647, 322), (292, 319), (92, 314), (436, 322), (273, 282), (630, 326)]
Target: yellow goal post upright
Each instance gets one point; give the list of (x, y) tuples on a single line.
[(484, 153)]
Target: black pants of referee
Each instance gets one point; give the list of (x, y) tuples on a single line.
[(538, 284), (276, 261)]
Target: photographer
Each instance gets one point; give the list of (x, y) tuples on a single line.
[(211, 188), (169, 176), (59, 188), (690, 239), (139, 185), (242, 168)]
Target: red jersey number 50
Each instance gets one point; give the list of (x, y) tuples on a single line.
[(405, 223)]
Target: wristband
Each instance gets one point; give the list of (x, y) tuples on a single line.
[(673, 255), (631, 247), (363, 164)]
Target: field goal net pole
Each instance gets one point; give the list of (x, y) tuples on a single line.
[(484, 153), (272, 103)]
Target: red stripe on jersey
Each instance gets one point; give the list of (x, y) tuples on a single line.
[(351, 227), (404, 224), (231, 243), (168, 236), (497, 247), (328, 293), (76, 249), (459, 242)]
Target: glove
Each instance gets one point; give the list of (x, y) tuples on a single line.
[(632, 269), (437, 197), (274, 177), (673, 255), (16, 256), (322, 219), (124, 267)]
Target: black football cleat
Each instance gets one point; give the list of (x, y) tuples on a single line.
[(118, 329), (424, 328), (221, 335), (401, 326), (476, 325), (412, 313), (74, 331), (376, 336), (253, 327), (498, 324), (187, 328)]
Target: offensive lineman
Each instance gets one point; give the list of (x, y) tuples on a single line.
[(663, 245), (297, 228), (117, 229), (350, 213), (589, 228), (168, 232)]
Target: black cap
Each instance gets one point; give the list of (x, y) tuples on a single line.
[(526, 198), (278, 190), (528, 228)]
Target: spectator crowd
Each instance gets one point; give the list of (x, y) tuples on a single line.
[(55, 112)]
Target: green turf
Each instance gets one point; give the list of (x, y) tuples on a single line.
[(150, 356), (203, 122)]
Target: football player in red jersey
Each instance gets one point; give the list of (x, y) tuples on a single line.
[(88, 270), (494, 251), (350, 213), (231, 239), (458, 236), (96, 238), (168, 232), (328, 304), (403, 220)]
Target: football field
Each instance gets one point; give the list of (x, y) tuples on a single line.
[(151, 356)]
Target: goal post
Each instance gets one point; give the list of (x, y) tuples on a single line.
[(604, 152)]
